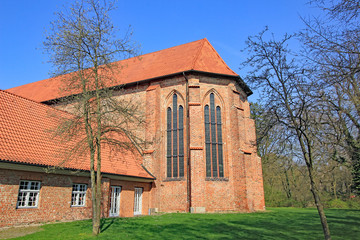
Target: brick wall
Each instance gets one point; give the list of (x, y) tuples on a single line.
[(55, 198), (242, 186)]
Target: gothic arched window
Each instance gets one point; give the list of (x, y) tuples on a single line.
[(175, 140), (213, 139)]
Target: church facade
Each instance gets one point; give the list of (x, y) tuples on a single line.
[(201, 154)]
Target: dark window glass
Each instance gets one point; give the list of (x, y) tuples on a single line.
[(175, 140), (219, 141), (181, 141), (213, 136), (213, 139), (207, 141), (175, 137), (168, 152)]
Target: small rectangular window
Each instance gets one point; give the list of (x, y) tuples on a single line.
[(28, 194), (78, 195)]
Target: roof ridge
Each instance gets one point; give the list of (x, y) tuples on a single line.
[(222, 60), (39, 103), (163, 49), (198, 53), (116, 62)]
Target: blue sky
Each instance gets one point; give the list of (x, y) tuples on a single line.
[(156, 24)]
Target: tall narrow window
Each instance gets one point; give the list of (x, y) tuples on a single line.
[(168, 152), (115, 201), (175, 139), (138, 201), (213, 139), (181, 141)]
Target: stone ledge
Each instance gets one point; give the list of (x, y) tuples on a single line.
[(216, 179), (174, 179), (196, 148), (239, 108), (197, 210), (148, 151), (194, 104), (246, 152)]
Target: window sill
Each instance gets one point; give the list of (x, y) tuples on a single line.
[(217, 179), (174, 179), (27, 207)]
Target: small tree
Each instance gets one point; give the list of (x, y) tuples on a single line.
[(82, 44), (286, 93)]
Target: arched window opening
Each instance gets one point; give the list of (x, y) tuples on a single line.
[(213, 139), (175, 140)]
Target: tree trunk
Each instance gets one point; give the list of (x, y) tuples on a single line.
[(97, 206), (334, 188), (318, 204), (95, 219)]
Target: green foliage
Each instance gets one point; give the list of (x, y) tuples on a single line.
[(276, 223), (354, 203), (337, 203)]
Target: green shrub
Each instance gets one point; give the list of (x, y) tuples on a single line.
[(354, 203), (337, 203)]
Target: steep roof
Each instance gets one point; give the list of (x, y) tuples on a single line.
[(198, 55), (26, 136)]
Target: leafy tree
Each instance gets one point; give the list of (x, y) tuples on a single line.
[(82, 44)]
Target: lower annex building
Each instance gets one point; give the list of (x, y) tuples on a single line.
[(201, 154)]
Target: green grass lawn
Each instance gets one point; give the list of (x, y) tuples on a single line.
[(276, 223)]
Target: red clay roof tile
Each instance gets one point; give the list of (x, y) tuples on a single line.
[(26, 136), (198, 55)]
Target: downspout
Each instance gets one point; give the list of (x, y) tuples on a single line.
[(188, 144)]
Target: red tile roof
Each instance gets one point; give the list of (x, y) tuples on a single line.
[(198, 55), (26, 136)]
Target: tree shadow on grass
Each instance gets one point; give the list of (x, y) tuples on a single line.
[(285, 224), (105, 223)]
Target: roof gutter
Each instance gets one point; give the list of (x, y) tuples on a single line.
[(237, 78), (67, 171)]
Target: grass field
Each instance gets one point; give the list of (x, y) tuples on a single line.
[(276, 223)]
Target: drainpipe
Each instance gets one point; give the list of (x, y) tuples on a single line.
[(188, 144)]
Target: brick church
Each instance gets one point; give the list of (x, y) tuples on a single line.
[(201, 155)]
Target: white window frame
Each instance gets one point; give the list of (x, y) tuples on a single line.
[(28, 196), (115, 201), (78, 195), (138, 201)]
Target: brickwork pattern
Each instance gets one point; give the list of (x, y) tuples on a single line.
[(54, 202), (241, 189)]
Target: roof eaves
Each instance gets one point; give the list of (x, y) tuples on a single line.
[(239, 79), (72, 169), (148, 171)]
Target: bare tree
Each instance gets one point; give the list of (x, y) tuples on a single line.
[(286, 91), (82, 43), (332, 46), (345, 10)]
